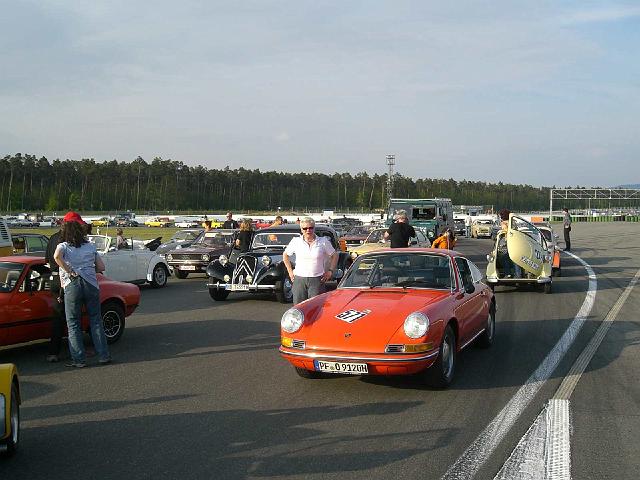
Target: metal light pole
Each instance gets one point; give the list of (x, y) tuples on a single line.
[(391, 161)]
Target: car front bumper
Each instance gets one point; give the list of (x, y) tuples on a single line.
[(378, 364)]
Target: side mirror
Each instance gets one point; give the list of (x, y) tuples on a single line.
[(469, 288), (338, 273)]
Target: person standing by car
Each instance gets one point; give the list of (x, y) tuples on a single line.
[(311, 253), (566, 224), (446, 240), (230, 223), (243, 240), (79, 261), (400, 231), (58, 320)]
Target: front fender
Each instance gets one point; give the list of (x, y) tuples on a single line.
[(217, 271), (152, 265), (8, 375)]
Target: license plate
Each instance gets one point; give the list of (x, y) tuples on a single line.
[(239, 288), (187, 267), (341, 367)]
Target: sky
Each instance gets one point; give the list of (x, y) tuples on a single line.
[(527, 92)]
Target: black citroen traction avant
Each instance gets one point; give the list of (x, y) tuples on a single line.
[(262, 269)]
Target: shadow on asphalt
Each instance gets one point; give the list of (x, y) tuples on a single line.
[(230, 444)]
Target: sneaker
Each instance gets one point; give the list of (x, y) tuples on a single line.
[(106, 361), (52, 358), (76, 365)]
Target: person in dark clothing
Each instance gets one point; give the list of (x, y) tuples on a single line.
[(59, 319), (243, 241), (230, 222), (566, 224), (400, 231)]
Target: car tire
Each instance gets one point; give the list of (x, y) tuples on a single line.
[(284, 291), (218, 295), (180, 274), (113, 321), (485, 340), (440, 374), (304, 373), (11, 443), (547, 287), (159, 276)]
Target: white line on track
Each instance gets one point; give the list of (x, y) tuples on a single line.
[(476, 454)]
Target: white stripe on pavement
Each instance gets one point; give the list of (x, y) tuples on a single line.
[(468, 464)]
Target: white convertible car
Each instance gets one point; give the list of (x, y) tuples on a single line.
[(134, 263)]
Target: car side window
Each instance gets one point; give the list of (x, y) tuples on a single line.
[(476, 274), (465, 271)]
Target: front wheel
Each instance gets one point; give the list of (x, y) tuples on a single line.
[(218, 295), (112, 321), (11, 443), (284, 290), (159, 276), (181, 275), (440, 374)]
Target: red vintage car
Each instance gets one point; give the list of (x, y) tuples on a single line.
[(396, 312), (27, 306)]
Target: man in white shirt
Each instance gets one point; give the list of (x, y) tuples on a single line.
[(311, 253)]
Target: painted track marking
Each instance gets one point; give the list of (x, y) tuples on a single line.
[(476, 454)]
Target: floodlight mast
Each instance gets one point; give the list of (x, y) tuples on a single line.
[(391, 161)]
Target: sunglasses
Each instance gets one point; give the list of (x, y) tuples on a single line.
[(307, 228)]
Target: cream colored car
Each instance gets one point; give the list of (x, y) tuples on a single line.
[(376, 241)]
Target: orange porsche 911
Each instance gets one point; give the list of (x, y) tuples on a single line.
[(396, 312)]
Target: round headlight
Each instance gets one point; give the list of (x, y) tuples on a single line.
[(266, 260), (169, 257), (416, 325), (226, 278), (354, 255), (292, 320), (249, 278), (431, 234), (205, 257), (178, 246), (223, 259)]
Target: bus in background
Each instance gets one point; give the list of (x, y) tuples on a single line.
[(432, 215)]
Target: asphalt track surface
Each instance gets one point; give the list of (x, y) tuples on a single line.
[(199, 391)]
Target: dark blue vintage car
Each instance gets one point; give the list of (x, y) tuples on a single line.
[(262, 269)]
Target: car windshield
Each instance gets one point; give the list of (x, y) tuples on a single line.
[(399, 270), (99, 241), (484, 222), (216, 239), (273, 239), (182, 235), (9, 275), (361, 230), (376, 236), (527, 228)]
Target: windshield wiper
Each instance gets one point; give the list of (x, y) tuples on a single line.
[(406, 283)]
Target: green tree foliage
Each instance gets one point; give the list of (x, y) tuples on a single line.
[(31, 184)]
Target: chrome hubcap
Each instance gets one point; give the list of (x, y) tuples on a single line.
[(447, 356), (160, 276), (288, 291), (15, 420)]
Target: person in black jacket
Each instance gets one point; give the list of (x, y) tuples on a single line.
[(400, 231), (59, 319), (230, 222)]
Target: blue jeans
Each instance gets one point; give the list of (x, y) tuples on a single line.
[(78, 293)]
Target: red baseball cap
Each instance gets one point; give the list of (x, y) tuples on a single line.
[(73, 217)]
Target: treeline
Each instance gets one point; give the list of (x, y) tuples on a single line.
[(33, 184)]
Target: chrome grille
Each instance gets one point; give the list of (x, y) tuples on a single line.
[(186, 256), (298, 344), (245, 266), (394, 349)]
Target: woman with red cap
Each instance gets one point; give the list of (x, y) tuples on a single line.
[(79, 261)]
